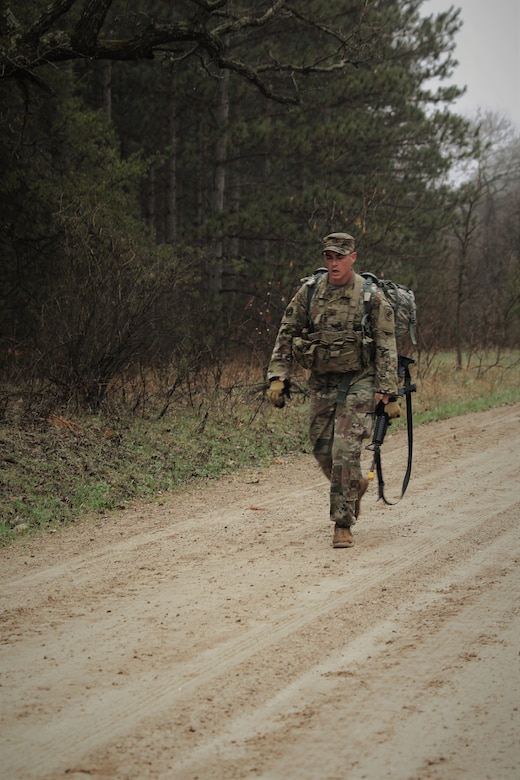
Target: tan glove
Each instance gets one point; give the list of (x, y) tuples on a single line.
[(278, 392), (392, 409)]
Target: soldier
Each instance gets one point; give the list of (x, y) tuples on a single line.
[(323, 329)]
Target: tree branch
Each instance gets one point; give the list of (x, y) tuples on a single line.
[(48, 17), (45, 41), (90, 23)]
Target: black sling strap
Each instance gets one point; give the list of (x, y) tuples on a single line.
[(408, 389), (380, 431), (344, 387)]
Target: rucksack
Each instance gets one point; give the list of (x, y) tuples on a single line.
[(400, 298)]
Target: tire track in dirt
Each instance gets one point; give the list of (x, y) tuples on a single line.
[(389, 648), (282, 637)]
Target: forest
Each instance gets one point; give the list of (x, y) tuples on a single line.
[(169, 169)]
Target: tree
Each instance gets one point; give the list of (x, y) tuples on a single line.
[(87, 299), (70, 30), (484, 237), (349, 137)]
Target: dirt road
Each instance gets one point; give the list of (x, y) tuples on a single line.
[(220, 636)]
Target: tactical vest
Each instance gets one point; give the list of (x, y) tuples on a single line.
[(334, 350)]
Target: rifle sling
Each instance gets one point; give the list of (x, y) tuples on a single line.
[(344, 387), (377, 452)]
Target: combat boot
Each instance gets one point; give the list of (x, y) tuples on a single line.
[(342, 537)]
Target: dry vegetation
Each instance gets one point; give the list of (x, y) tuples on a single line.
[(56, 468)]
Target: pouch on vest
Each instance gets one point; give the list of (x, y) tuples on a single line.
[(303, 351), (329, 352)]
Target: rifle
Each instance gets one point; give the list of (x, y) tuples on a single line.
[(381, 427)]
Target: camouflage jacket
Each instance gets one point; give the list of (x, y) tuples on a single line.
[(336, 315)]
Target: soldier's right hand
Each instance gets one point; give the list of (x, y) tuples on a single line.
[(278, 392), (392, 409)]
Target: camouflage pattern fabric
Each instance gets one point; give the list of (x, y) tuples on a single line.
[(328, 313), (337, 431)]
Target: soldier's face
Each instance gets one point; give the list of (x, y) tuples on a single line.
[(339, 266)]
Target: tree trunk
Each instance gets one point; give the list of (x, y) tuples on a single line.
[(149, 201), (217, 249), (459, 304), (107, 89), (170, 220)]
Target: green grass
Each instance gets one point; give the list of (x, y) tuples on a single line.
[(484, 382), (58, 470), (454, 408)]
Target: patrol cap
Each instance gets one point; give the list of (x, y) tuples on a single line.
[(342, 243)]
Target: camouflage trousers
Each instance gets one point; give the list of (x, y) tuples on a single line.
[(337, 432)]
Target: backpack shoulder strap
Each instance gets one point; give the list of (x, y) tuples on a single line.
[(370, 282), (311, 283)]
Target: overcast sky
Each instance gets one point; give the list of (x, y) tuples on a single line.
[(488, 51)]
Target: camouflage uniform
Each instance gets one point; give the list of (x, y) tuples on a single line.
[(339, 425)]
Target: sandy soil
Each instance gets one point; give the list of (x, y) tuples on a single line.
[(219, 635)]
